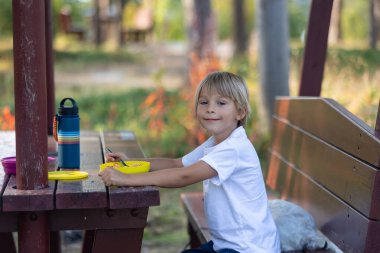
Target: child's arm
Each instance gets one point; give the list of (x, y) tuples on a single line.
[(155, 163), (171, 178)]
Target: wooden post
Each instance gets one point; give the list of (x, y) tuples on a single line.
[(315, 48), (29, 53), (49, 67), (377, 127)]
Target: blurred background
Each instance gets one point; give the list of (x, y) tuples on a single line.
[(134, 65)]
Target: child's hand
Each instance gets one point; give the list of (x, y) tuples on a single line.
[(110, 176), (114, 157)]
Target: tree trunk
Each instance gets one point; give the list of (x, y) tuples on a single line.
[(335, 26), (240, 35), (201, 27), (374, 23), (273, 50), (96, 21)]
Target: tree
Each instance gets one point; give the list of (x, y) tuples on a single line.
[(240, 35), (201, 27), (374, 22), (273, 50), (335, 34)]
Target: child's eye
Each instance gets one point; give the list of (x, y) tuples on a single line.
[(221, 103), (203, 102)]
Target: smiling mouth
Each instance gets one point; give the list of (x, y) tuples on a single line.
[(211, 119)]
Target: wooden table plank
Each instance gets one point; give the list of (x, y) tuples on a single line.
[(88, 219), (15, 200), (22, 200), (86, 193), (127, 197), (7, 148), (132, 197)]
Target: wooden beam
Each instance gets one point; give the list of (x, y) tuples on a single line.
[(29, 53), (50, 89), (30, 93), (377, 127), (315, 48)]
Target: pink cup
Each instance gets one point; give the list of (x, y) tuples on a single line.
[(9, 164)]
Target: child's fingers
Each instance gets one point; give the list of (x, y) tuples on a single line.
[(112, 157)]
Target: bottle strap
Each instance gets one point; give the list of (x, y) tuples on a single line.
[(55, 127)]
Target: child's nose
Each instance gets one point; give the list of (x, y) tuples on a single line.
[(210, 108)]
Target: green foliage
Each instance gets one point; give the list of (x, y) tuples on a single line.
[(83, 57), (355, 61), (298, 17), (224, 13), (169, 20), (170, 17), (5, 17), (355, 20), (123, 110)]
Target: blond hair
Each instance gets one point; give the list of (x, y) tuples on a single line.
[(228, 85)]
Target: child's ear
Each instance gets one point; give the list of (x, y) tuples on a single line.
[(242, 112)]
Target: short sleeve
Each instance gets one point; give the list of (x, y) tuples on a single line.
[(195, 155), (224, 160)]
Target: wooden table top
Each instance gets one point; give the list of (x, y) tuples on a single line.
[(90, 193)]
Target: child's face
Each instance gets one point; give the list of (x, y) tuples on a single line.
[(217, 114)]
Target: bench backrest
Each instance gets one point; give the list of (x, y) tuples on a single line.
[(326, 160)]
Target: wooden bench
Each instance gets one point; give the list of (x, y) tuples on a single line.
[(326, 160), (66, 25), (117, 215)]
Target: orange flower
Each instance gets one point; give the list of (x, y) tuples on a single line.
[(7, 120)]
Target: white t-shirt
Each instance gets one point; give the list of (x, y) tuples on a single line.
[(235, 200)]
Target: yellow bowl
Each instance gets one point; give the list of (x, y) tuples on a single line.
[(133, 167)]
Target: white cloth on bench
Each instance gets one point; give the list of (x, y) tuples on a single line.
[(297, 228)]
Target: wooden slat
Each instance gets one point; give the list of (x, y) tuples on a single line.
[(353, 181), (7, 148), (3, 183), (126, 197), (332, 123), (88, 219), (347, 228), (27, 200), (193, 204), (123, 141), (116, 240), (86, 193)]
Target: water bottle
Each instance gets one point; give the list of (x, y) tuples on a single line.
[(66, 133)]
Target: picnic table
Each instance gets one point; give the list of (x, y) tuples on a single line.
[(114, 218)]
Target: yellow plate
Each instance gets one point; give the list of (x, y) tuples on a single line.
[(67, 175), (133, 167)]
